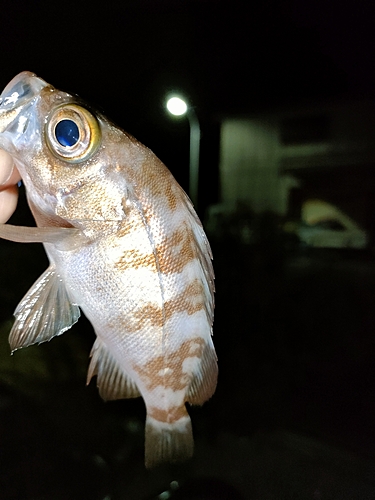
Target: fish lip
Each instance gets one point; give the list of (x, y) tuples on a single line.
[(16, 105), (17, 95), (20, 90), (24, 75)]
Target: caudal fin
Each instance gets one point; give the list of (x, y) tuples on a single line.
[(168, 442)]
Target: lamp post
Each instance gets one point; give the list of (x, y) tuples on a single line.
[(178, 107)]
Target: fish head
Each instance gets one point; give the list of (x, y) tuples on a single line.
[(59, 147)]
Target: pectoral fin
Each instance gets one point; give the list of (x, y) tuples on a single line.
[(64, 238), (44, 312), (112, 382)]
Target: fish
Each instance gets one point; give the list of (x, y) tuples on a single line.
[(125, 246)]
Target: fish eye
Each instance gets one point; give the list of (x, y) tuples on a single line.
[(72, 133), (67, 133)]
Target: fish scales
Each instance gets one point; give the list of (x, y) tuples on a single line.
[(126, 246)]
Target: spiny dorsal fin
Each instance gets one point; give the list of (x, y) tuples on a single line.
[(112, 382), (204, 381), (44, 312)]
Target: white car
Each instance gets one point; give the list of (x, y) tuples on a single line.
[(325, 226)]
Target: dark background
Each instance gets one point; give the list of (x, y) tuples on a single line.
[(294, 412), (225, 56)]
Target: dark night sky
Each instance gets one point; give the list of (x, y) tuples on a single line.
[(226, 56)]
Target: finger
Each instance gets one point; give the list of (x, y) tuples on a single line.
[(12, 180), (8, 173), (8, 202)]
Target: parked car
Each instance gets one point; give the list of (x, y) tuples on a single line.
[(326, 226)]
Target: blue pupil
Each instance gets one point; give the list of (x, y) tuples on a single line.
[(67, 133)]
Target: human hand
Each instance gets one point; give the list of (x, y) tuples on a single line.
[(9, 177)]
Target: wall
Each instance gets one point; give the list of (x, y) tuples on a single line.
[(263, 157)]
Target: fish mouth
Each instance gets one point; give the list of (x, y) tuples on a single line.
[(19, 91)]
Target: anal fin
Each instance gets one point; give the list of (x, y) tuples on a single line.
[(112, 381), (44, 312)]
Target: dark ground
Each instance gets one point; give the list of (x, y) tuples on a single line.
[(294, 412)]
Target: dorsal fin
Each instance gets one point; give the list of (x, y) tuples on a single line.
[(112, 382), (203, 384), (44, 312)]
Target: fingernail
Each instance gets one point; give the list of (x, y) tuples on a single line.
[(8, 203), (6, 166)]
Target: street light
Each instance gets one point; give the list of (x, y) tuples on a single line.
[(177, 106)]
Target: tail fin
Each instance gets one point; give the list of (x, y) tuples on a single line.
[(168, 442)]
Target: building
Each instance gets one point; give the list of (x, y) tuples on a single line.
[(274, 162)]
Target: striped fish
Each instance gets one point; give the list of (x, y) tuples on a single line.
[(126, 246)]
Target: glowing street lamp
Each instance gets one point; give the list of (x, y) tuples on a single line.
[(179, 107), (176, 106)]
